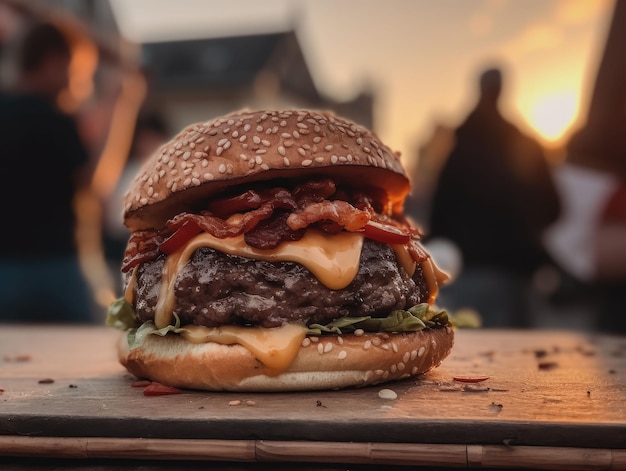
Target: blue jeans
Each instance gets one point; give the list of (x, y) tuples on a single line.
[(45, 290), (501, 298)]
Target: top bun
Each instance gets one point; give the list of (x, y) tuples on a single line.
[(250, 146)]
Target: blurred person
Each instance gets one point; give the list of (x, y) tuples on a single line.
[(151, 132), (493, 199), (610, 261), (44, 163)]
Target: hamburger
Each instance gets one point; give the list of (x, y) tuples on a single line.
[(269, 251)]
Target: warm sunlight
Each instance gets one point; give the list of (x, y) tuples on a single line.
[(552, 115)]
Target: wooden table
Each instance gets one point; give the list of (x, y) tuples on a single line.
[(553, 400)]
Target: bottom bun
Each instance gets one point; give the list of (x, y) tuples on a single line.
[(326, 362)]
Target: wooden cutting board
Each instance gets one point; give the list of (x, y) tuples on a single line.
[(63, 386)]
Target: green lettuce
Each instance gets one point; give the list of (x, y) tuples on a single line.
[(122, 316), (419, 317)]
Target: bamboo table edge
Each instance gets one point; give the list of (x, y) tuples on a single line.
[(413, 454)]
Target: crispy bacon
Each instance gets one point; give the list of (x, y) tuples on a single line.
[(269, 216), (338, 211)]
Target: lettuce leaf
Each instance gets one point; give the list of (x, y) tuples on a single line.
[(419, 317), (121, 315)]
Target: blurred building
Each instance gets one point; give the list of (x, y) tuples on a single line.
[(193, 80)]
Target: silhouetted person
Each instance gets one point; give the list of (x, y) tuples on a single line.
[(494, 197), (43, 159)]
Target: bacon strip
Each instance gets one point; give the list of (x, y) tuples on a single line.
[(294, 211), (341, 212)]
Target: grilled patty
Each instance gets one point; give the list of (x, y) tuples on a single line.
[(215, 289)]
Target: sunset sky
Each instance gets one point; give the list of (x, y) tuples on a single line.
[(419, 57)]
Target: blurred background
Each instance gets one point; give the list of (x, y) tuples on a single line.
[(413, 71)]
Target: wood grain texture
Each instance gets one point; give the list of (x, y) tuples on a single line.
[(548, 389)]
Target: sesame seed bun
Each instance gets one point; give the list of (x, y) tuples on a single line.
[(328, 362), (248, 146)]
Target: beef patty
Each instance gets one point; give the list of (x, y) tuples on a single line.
[(216, 289)]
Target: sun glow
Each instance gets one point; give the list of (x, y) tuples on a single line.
[(552, 115)]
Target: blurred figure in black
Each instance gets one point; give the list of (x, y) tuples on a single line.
[(493, 199), (43, 164)]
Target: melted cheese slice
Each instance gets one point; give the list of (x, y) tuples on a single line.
[(275, 348)]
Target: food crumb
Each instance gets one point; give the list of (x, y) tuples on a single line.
[(318, 403), (251, 403), (387, 394), (236, 402), (46, 381), (72, 386)]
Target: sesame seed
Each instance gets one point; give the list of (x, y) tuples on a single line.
[(314, 339), (259, 128), (261, 151), (264, 166), (286, 162), (319, 159), (256, 139), (246, 127), (285, 135), (406, 357), (421, 351), (328, 347), (333, 159), (243, 156), (394, 368), (366, 149), (195, 181), (306, 342), (359, 332), (295, 134), (199, 155), (281, 150), (379, 372), (187, 181), (288, 143), (208, 176), (340, 340), (258, 159), (367, 345), (222, 168), (328, 148), (320, 348), (401, 366), (414, 370), (342, 355), (227, 145), (302, 126), (219, 151), (385, 346), (265, 142), (394, 347), (221, 142), (178, 146), (307, 162), (301, 151), (413, 355), (317, 139)]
